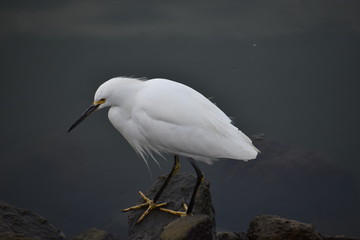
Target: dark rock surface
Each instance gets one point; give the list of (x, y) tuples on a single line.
[(178, 191), (190, 228), (267, 227), (231, 236), (19, 223), (95, 234), (341, 238)]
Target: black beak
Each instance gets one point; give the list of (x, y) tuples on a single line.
[(88, 111)]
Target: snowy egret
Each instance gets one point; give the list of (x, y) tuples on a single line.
[(162, 116)]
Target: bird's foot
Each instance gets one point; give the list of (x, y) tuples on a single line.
[(151, 206), (148, 203), (178, 213)]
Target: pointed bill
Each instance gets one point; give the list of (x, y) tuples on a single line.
[(85, 114)]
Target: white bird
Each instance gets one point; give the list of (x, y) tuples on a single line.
[(165, 117)]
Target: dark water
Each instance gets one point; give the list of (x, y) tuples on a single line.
[(288, 69)]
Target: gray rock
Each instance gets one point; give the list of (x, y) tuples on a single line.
[(196, 227), (95, 234), (230, 236), (18, 223), (178, 191), (267, 227), (340, 238)]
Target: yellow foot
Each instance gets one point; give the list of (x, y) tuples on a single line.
[(178, 213), (150, 206)]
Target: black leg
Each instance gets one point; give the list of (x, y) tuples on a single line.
[(200, 177), (174, 170)]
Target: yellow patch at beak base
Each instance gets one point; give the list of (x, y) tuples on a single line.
[(101, 101)]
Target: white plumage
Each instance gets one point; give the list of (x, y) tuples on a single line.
[(162, 116)]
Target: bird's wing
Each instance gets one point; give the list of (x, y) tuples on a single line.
[(177, 104), (175, 118)]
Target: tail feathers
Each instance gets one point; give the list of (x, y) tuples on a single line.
[(242, 148), (252, 152)]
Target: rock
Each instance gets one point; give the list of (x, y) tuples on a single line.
[(13, 236), (267, 227), (194, 227), (230, 236), (18, 223), (226, 236), (177, 192), (341, 238), (95, 234)]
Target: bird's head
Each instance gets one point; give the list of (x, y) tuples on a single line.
[(111, 93)]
